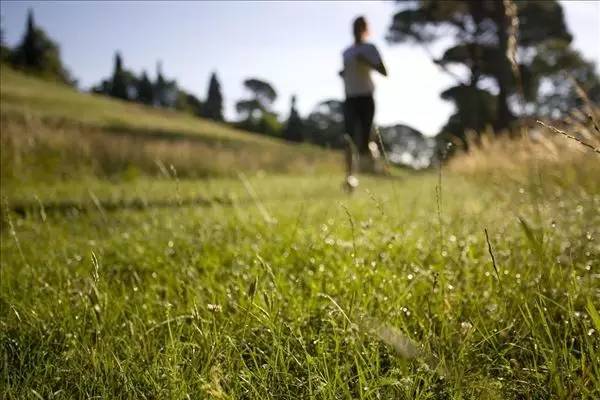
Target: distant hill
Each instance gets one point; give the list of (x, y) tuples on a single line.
[(58, 131)]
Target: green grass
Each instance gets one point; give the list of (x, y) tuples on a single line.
[(52, 132), (266, 285)]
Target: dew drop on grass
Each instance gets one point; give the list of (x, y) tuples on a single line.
[(410, 277)]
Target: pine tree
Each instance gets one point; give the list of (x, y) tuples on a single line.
[(145, 90), (213, 107), (118, 87), (294, 128), (165, 91), (38, 54)]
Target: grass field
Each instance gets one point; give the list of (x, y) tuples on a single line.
[(249, 281)]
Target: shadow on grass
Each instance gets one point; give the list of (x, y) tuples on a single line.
[(71, 206), (172, 136)]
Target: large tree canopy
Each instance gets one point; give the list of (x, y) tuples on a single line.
[(262, 91), (482, 34), (256, 110)]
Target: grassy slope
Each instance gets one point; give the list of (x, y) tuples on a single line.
[(284, 287), (25, 94), (45, 124)]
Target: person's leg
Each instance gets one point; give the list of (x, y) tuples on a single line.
[(368, 112), (351, 156), (365, 119)]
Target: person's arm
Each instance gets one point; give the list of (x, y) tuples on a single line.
[(380, 68), (373, 59)]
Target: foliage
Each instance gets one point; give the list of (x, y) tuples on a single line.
[(188, 102), (39, 55), (294, 127), (262, 91), (5, 53), (163, 93), (213, 108), (325, 124), (145, 90), (482, 33), (256, 111), (121, 82)]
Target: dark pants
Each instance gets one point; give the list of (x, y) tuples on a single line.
[(358, 117)]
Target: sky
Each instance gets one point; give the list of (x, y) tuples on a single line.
[(296, 46)]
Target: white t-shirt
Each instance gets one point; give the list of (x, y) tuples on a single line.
[(357, 73)]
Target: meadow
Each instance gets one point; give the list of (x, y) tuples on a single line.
[(150, 254)]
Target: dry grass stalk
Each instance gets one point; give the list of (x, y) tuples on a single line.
[(554, 129)]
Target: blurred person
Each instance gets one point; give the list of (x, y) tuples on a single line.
[(359, 108)]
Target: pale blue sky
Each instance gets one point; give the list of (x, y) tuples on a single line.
[(294, 45)]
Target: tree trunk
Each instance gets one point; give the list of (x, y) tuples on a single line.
[(503, 75)]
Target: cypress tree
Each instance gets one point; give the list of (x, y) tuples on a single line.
[(145, 90), (294, 127), (213, 107), (118, 87), (38, 54)]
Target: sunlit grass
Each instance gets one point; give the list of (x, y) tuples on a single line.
[(215, 300), (261, 285)]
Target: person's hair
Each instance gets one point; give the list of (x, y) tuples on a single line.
[(359, 26)]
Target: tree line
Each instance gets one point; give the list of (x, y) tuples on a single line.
[(496, 91), (38, 54)]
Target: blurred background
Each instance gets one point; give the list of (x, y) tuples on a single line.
[(270, 68)]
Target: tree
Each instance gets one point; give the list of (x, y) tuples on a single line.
[(294, 128), (213, 107), (188, 102), (39, 55), (560, 66), (249, 109), (256, 111), (145, 90), (262, 91), (484, 34), (325, 124), (263, 96), (165, 91), (118, 86), (5, 53)]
